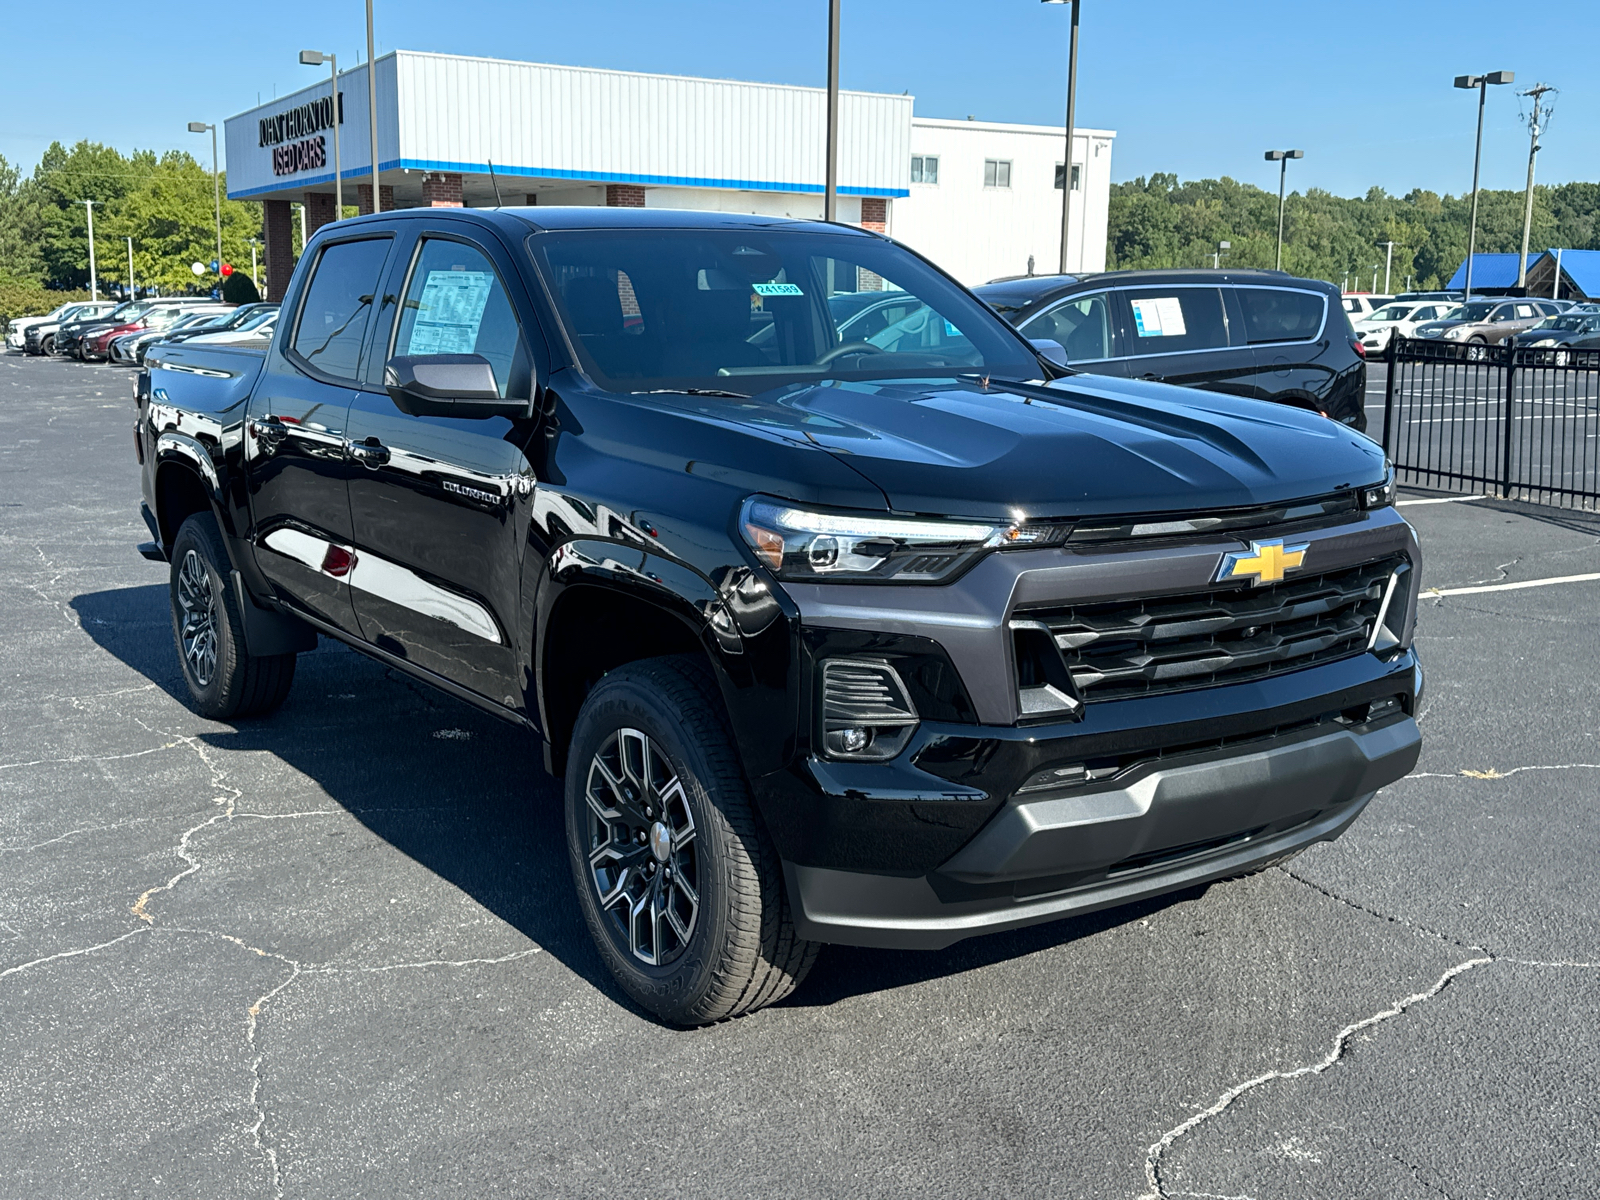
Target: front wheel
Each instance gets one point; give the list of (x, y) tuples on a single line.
[(225, 680), (679, 885)]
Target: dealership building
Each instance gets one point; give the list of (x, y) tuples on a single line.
[(980, 199)]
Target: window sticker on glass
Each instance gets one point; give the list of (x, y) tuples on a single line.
[(951, 331), (1159, 317), (450, 312), (777, 289)]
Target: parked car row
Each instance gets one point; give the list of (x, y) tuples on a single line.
[(1399, 317), (1488, 321), (123, 333), (1264, 335)]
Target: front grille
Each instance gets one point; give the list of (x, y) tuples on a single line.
[(1119, 649)]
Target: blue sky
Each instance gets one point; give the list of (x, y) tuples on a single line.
[(1198, 87)]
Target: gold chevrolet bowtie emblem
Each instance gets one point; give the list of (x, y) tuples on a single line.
[(1269, 562)]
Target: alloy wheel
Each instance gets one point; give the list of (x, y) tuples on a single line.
[(198, 600), (643, 858)]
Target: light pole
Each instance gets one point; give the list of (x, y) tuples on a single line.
[(1216, 256), (216, 183), (1481, 82), (94, 285), (372, 111), (315, 58), (130, 268), (253, 278), (830, 187), (1282, 157), (1072, 98), (1388, 261)]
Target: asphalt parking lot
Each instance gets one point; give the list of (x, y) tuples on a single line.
[(334, 953)]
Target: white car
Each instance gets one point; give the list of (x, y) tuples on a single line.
[(1402, 317), (17, 331), (1358, 305)]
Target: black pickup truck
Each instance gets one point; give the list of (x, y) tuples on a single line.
[(845, 613)]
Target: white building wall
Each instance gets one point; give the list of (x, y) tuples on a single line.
[(979, 233), (553, 122)]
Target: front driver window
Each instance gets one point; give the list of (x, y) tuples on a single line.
[(456, 304), (1082, 325)]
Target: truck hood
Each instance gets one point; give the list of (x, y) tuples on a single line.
[(1087, 445)]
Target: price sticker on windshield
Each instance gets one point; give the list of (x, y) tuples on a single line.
[(777, 289)]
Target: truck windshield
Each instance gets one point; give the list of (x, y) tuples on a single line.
[(748, 310)]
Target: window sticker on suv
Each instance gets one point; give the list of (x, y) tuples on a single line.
[(1159, 317), (777, 289)]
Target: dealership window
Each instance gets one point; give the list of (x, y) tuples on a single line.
[(924, 168), (1077, 177), (996, 173)]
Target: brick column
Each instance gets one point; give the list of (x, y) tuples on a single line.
[(441, 190), (278, 219), (364, 197), (319, 211), (624, 195), (874, 216)]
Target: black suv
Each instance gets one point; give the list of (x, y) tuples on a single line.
[(1261, 334), (843, 615)]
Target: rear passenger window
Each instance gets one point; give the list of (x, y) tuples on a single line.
[(1280, 315), (338, 304), (1082, 325), (1171, 320)]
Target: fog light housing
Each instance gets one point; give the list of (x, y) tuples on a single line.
[(867, 714)]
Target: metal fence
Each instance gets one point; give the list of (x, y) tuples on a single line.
[(1520, 422)]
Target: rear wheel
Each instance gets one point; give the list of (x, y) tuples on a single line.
[(48, 346), (225, 680), (679, 885)]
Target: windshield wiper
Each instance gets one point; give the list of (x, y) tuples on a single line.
[(692, 392)]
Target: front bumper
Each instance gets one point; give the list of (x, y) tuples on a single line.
[(1174, 825)]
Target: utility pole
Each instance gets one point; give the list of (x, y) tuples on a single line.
[(1388, 261), (1072, 103), (94, 284), (830, 189), (1537, 91), (372, 110)]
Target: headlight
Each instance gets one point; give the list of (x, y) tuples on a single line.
[(803, 545), (1455, 331), (1381, 496), (1546, 342)]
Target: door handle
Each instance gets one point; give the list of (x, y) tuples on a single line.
[(269, 432), (1151, 376), (369, 452)]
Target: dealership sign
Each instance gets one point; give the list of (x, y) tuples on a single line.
[(296, 135)]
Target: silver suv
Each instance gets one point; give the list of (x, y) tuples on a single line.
[(1490, 322)]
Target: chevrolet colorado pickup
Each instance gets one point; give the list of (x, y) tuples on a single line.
[(844, 612)]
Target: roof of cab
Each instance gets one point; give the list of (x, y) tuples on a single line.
[(596, 217)]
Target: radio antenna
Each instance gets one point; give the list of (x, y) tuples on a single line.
[(498, 203)]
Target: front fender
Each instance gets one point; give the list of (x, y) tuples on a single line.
[(745, 627)]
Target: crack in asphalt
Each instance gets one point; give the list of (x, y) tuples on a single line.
[(1383, 916), (1153, 1156), (1416, 1174)]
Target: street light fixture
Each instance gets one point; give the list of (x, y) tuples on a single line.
[(94, 281), (1481, 82), (216, 181), (372, 111), (1282, 157), (315, 58), (1216, 255), (1072, 97)]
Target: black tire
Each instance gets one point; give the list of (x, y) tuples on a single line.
[(225, 680), (741, 952), (48, 346)]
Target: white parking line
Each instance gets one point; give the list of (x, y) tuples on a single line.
[(1439, 500), (1509, 587)]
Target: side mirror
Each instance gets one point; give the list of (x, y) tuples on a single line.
[(448, 385), (1050, 350)]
